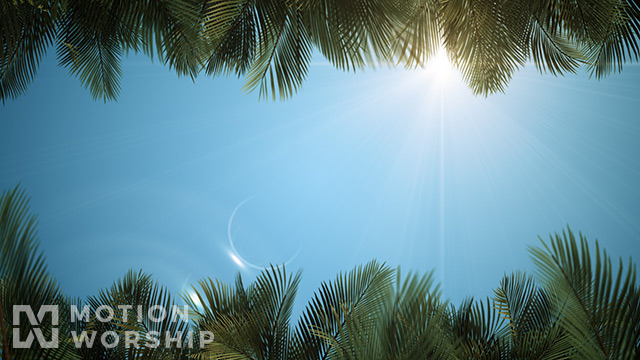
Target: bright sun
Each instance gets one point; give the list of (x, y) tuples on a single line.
[(440, 67)]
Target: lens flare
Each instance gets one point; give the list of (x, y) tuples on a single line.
[(441, 68)]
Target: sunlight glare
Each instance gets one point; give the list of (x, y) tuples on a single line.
[(194, 298), (441, 68), (236, 259)]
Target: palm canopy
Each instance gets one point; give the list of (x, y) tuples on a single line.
[(271, 42), (584, 308), (580, 308)]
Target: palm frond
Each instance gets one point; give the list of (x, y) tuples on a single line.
[(478, 331), (25, 280), (619, 41), (354, 33), (602, 309), (131, 299), (550, 44), (251, 322), (26, 31), (533, 319), (229, 32), (172, 30), (415, 321), (485, 40), (418, 35), (283, 53), (90, 44), (362, 290)]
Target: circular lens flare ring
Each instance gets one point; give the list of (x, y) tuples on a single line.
[(235, 255)]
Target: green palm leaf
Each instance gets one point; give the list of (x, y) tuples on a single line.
[(418, 35), (478, 331), (229, 32), (360, 291), (26, 31), (25, 280), (415, 321), (533, 319), (619, 41), (91, 41), (139, 292), (601, 305), (551, 47), (252, 322), (485, 40), (172, 30), (283, 52)]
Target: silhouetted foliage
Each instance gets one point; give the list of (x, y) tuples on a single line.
[(583, 308), (271, 42)]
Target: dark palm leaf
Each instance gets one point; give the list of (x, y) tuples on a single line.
[(533, 319), (25, 280), (91, 38), (551, 46), (170, 29), (412, 324), (362, 291), (283, 53), (619, 41), (138, 294), (252, 322), (601, 305), (418, 35), (229, 32), (26, 31), (485, 40), (478, 331)]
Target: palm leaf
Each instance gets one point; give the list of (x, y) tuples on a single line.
[(90, 45), (172, 30), (478, 331), (25, 280), (26, 30), (414, 323), (229, 32), (418, 35), (602, 309), (138, 294), (551, 47), (252, 322), (533, 319), (485, 40), (283, 52), (362, 291), (619, 42)]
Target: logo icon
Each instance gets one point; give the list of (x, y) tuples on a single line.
[(52, 343)]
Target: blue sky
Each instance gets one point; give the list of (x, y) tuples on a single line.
[(403, 166)]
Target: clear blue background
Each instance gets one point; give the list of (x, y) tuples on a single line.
[(385, 164)]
